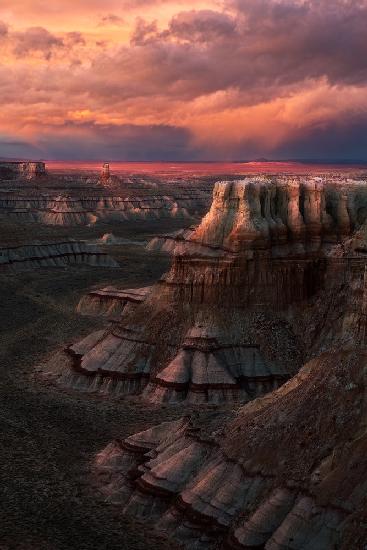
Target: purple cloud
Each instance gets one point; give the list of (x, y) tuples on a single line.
[(36, 39), (202, 25), (124, 142)]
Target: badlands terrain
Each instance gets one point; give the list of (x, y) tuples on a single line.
[(183, 359)]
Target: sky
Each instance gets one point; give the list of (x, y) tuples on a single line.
[(183, 80)]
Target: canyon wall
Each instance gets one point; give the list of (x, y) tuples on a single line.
[(82, 197), (230, 320), (21, 170), (83, 209), (265, 305), (285, 471)]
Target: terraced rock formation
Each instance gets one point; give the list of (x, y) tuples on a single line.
[(244, 303), (287, 471), (68, 210), (11, 170), (37, 255), (111, 302), (86, 197)]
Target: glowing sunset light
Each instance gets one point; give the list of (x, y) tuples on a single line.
[(162, 79)]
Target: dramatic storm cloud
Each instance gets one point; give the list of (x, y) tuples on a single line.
[(164, 79)]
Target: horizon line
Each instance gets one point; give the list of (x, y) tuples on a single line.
[(163, 161)]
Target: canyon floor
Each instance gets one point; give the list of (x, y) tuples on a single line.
[(49, 436)]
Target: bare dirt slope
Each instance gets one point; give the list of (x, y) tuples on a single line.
[(48, 437)]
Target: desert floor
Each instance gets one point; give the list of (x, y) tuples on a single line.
[(49, 436)]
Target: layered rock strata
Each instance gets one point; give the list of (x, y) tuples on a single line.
[(171, 242), (82, 210), (105, 174), (230, 321), (110, 302), (22, 170), (37, 255), (287, 216), (288, 471)]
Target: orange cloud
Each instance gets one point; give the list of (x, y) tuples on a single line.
[(225, 78)]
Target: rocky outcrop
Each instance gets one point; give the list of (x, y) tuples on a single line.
[(287, 472), (243, 305), (207, 370), (23, 170), (170, 243), (287, 216), (105, 174), (37, 255), (84, 210), (109, 239), (110, 302)]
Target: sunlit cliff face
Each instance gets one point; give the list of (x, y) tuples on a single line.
[(162, 79)]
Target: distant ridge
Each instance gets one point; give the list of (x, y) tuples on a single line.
[(221, 161)]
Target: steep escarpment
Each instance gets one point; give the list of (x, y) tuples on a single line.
[(288, 470), (231, 320), (37, 255), (286, 215)]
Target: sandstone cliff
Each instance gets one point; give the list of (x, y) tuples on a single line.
[(83, 209), (21, 170), (63, 210), (249, 293), (287, 470)]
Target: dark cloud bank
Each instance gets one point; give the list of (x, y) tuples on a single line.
[(264, 49)]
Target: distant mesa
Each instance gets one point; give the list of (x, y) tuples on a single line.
[(87, 208), (86, 198), (21, 169), (106, 171)]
